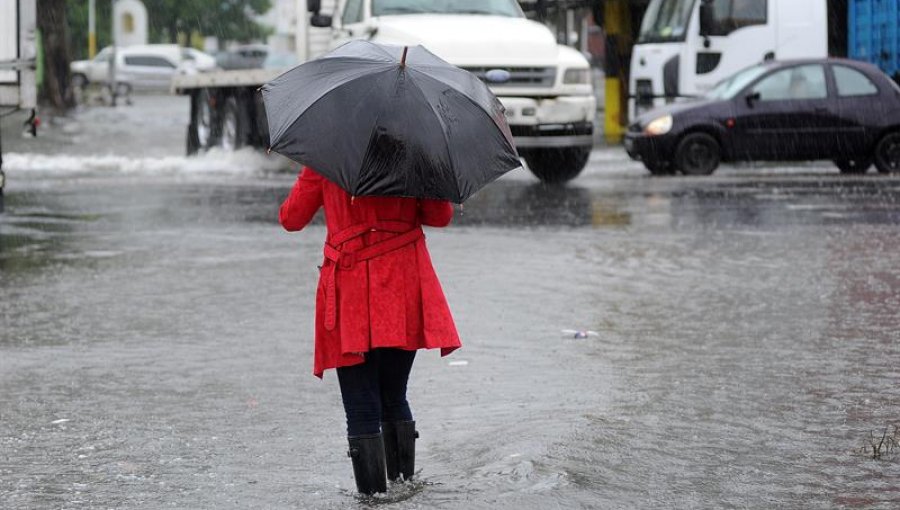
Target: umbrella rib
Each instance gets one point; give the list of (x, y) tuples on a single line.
[(375, 127), (443, 133), (478, 106), (287, 127)]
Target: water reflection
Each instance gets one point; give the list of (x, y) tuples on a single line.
[(512, 204), (778, 202), (31, 236)]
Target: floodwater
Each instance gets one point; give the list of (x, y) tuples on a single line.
[(156, 323)]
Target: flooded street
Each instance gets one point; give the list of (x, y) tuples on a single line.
[(156, 336)]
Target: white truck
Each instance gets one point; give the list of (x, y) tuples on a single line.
[(18, 64), (685, 47), (546, 87)]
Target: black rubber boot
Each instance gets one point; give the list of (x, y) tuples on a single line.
[(400, 448), (389, 431), (367, 455)]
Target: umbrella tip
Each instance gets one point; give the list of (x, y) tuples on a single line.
[(403, 58), (268, 150)]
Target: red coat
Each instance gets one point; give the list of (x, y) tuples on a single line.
[(393, 298)]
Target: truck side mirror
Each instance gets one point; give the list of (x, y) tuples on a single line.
[(313, 6), (707, 17), (752, 99), (320, 20)]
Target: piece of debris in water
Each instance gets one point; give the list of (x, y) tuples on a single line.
[(578, 333)]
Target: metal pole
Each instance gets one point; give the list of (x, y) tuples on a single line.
[(92, 28), (112, 59), (301, 31), (2, 175)]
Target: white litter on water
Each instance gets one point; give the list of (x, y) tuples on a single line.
[(57, 422), (215, 161), (458, 363), (577, 333)]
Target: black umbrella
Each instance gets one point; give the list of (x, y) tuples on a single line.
[(390, 121)]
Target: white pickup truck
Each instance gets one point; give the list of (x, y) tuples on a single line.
[(546, 87)]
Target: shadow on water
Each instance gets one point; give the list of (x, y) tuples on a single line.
[(776, 202), (32, 238), (513, 204)]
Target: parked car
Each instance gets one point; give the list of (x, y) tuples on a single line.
[(280, 60), (194, 60), (248, 56), (836, 109), (148, 66)]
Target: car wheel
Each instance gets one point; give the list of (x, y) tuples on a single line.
[(887, 153), (853, 166), (234, 126), (554, 165), (79, 81), (659, 167), (697, 154)]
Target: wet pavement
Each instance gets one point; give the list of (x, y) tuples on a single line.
[(155, 348)]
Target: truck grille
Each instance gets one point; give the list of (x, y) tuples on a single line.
[(644, 93), (519, 76)]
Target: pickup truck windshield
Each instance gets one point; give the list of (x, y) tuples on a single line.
[(666, 21), (489, 7)]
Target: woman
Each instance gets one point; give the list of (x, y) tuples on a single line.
[(377, 303)]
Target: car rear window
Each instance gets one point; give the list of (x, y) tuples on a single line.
[(147, 60), (851, 82)]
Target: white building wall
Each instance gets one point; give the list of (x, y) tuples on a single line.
[(130, 25)]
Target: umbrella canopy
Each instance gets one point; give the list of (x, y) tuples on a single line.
[(390, 121)]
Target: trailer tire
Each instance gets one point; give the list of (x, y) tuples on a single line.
[(234, 126), (557, 165), (200, 129), (192, 143)]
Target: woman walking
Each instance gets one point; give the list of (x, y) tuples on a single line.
[(378, 301)]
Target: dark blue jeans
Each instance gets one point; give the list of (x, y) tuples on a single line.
[(375, 391)]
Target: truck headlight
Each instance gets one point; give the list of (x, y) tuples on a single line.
[(659, 126), (576, 77)]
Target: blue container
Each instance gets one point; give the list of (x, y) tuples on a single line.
[(873, 34)]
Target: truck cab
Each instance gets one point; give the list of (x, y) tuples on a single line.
[(545, 87), (18, 65), (685, 47)]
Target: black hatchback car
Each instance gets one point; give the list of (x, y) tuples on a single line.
[(835, 109)]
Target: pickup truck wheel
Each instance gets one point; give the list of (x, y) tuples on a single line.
[(79, 82), (887, 153), (697, 154), (555, 165), (234, 126)]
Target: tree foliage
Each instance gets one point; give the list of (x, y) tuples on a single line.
[(228, 20), (53, 26)]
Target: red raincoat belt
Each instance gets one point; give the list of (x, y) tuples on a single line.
[(344, 260)]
